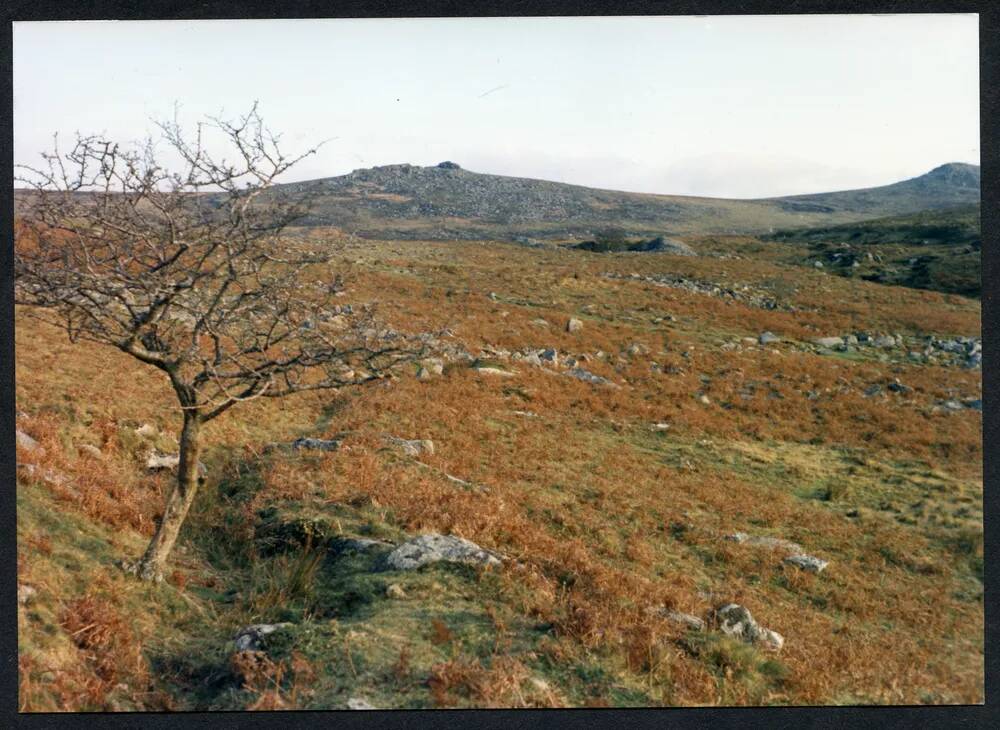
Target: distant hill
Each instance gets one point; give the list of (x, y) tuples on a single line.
[(446, 201), (946, 186)]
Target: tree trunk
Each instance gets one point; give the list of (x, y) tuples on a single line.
[(150, 566)]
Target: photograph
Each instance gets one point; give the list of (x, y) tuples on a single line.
[(479, 363)]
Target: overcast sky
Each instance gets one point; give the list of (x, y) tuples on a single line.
[(721, 106)]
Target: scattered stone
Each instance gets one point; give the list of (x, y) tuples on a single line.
[(434, 365), (548, 356), (251, 638), (808, 563), (884, 341), (413, 447), (540, 322), (659, 427), (704, 399), (434, 548), (773, 543), (310, 444), (581, 374), (574, 325), (358, 703), (829, 341), (873, 390), (156, 461), (26, 442), (766, 338), (637, 348), (736, 621), (487, 370), (147, 430), (687, 620), (395, 591), (423, 374), (90, 450), (25, 594), (897, 387)]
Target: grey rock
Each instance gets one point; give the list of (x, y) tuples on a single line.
[(767, 338), (358, 703), (25, 594), (26, 442), (413, 447), (897, 387), (156, 461), (687, 620), (736, 621), (310, 444), (884, 341), (548, 356), (808, 563), (773, 543), (829, 341), (574, 325), (90, 450), (434, 548), (251, 638), (586, 375)]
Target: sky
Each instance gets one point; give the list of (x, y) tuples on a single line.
[(722, 106)]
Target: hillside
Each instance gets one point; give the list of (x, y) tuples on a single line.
[(933, 249), (446, 201), (688, 445)]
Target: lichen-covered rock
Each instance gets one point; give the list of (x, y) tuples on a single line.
[(766, 338), (434, 548), (574, 325), (829, 341)]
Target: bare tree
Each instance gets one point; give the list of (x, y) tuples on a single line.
[(189, 272)]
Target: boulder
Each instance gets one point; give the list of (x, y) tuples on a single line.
[(574, 325), (737, 622), (767, 338), (884, 341), (434, 548), (251, 638), (829, 341)]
